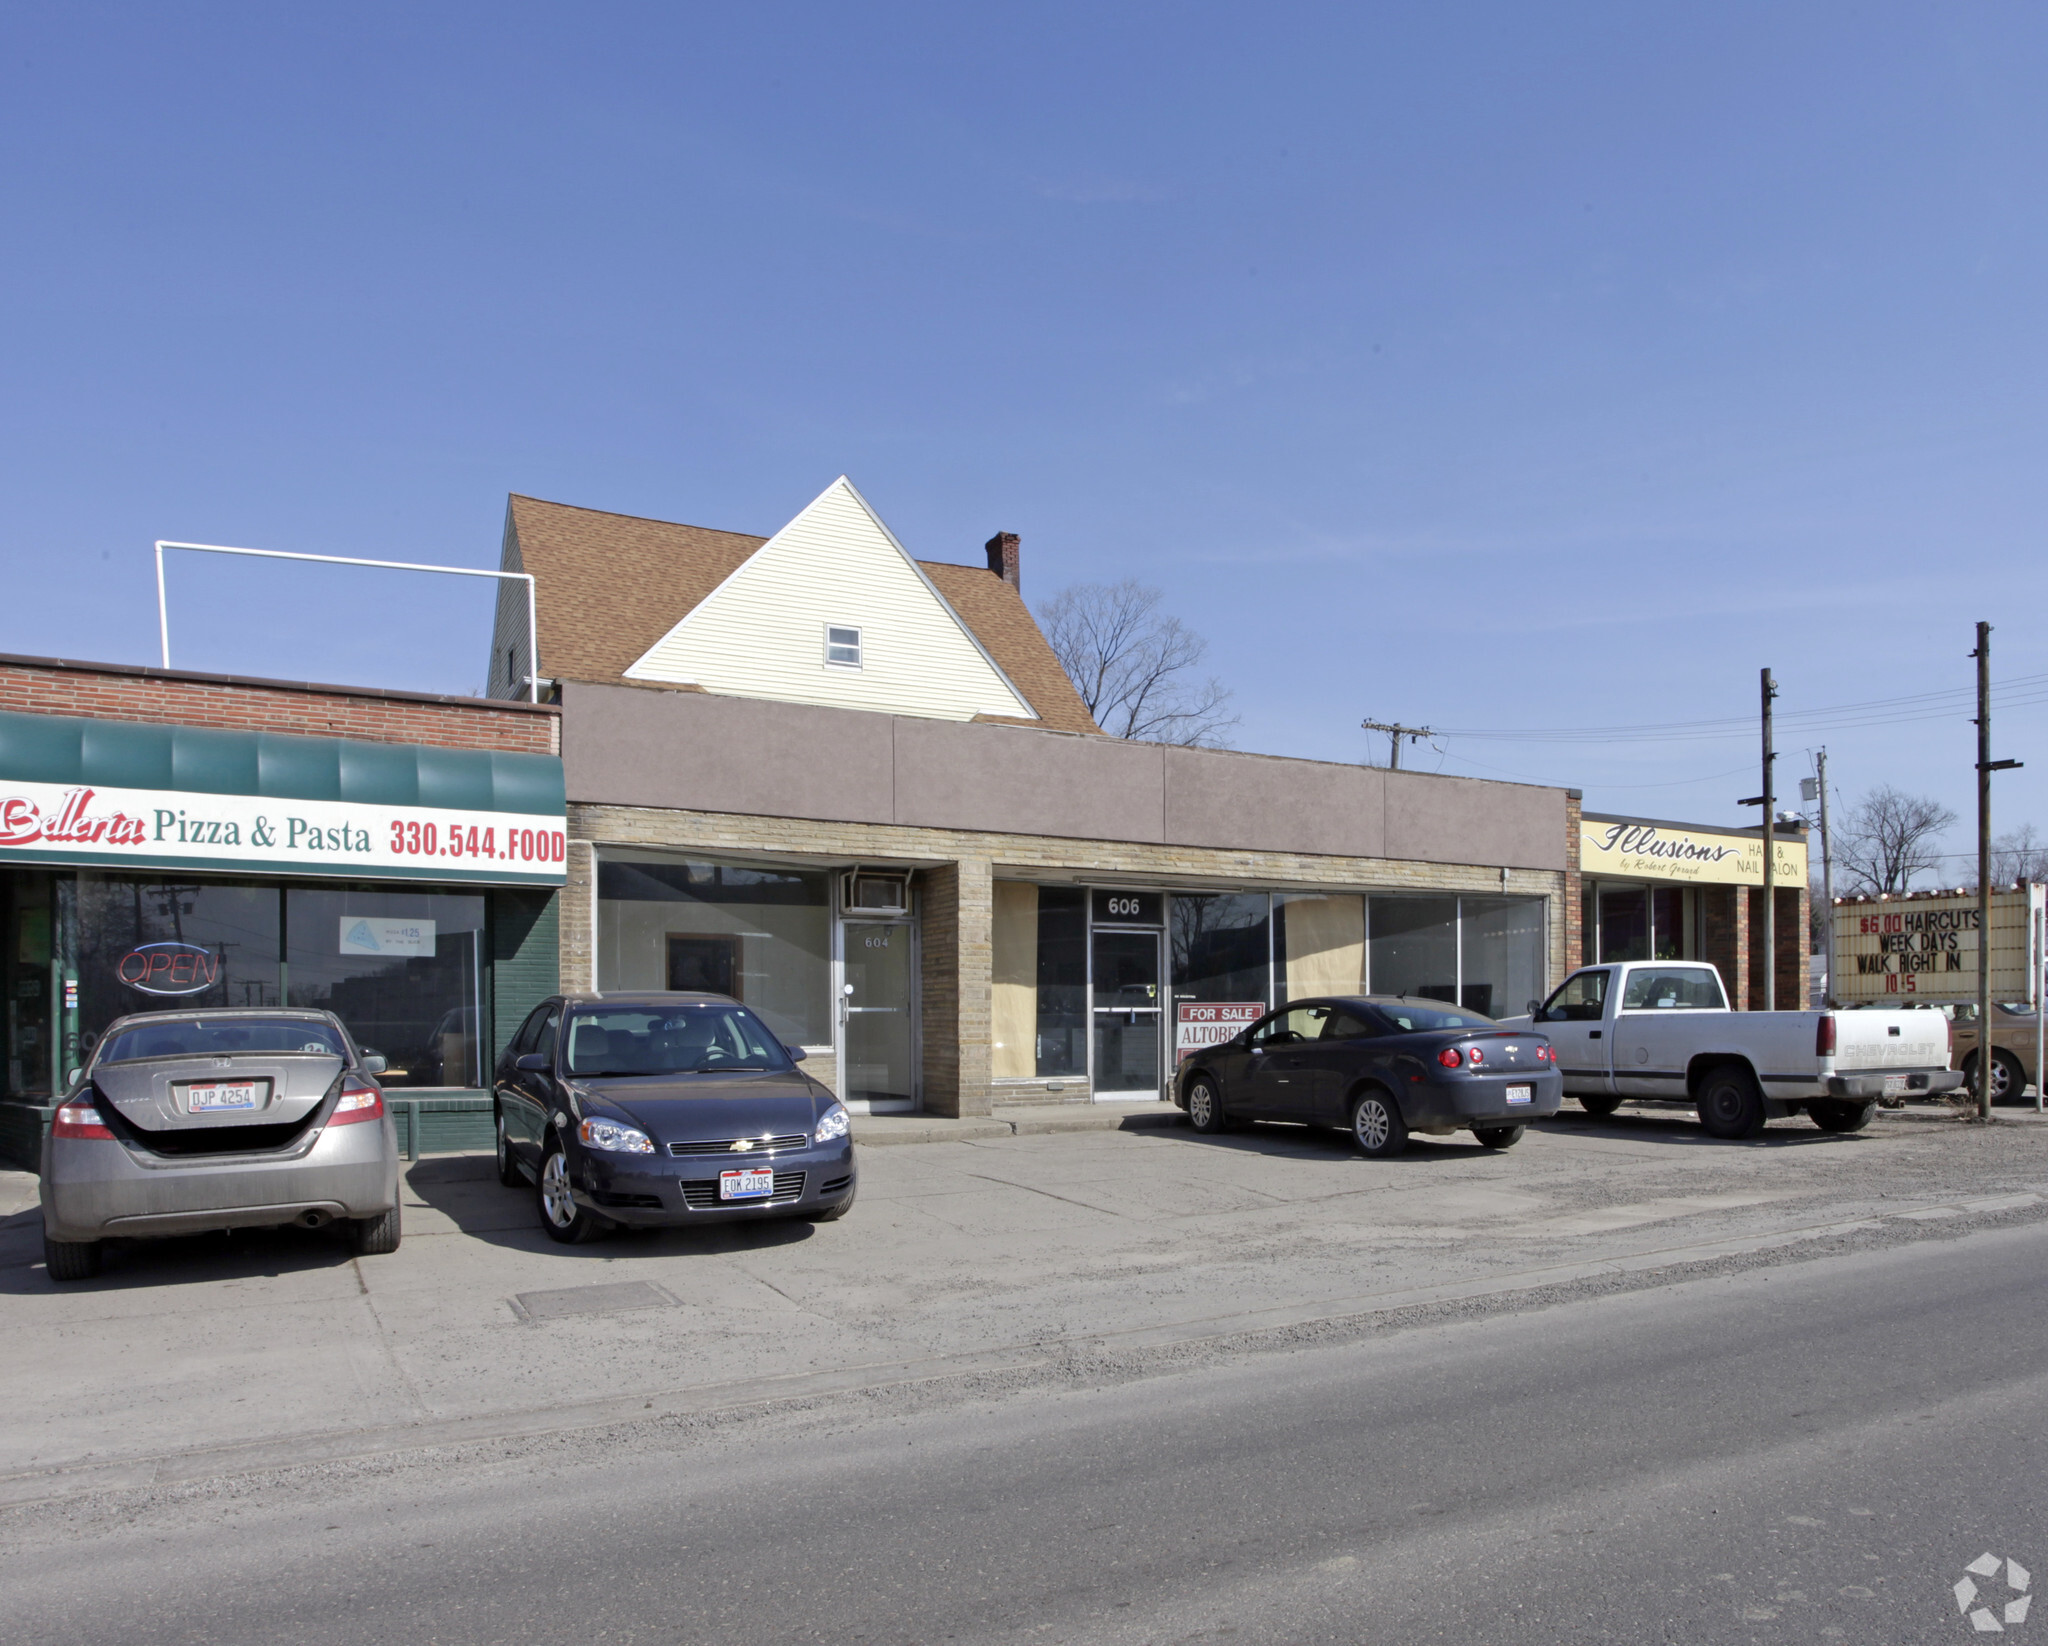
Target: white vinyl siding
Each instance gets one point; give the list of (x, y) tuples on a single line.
[(834, 566)]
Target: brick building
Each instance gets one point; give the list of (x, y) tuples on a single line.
[(856, 790), (170, 838)]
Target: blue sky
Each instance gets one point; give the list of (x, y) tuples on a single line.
[(1483, 366)]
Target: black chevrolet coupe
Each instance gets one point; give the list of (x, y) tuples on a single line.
[(650, 1109), (1381, 1066)]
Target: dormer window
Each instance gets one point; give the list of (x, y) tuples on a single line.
[(842, 646)]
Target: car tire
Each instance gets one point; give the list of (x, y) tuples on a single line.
[(1836, 1114), (1377, 1129), (69, 1260), (832, 1214), (378, 1236), (509, 1173), (1205, 1105), (1600, 1104), (560, 1215), (1499, 1137), (1730, 1106), (2008, 1079)]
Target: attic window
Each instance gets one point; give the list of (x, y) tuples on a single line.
[(842, 646)]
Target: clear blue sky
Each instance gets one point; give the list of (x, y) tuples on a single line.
[(1478, 365)]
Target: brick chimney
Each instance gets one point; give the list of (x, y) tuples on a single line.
[(1003, 557)]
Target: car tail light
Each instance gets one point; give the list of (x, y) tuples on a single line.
[(1824, 1035), (1476, 1055), (80, 1119), (1449, 1057), (359, 1101)]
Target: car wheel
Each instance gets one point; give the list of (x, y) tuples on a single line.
[(1834, 1114), (509, 1173), (1729, 1104), (560, 1215), (71, 1259), (832, 1214), (2008, 1079), (377, 1236), (1205, 1105), (1499, 1137), (1376, 1125), (1600, 1104)]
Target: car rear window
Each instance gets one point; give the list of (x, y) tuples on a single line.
[(1673, 988), (1413, 1019), (220, 1037)]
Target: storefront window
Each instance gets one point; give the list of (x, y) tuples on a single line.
[(156, 945), (1222, 947), (1040, 981), (1320, 945), (1624, 923), (763, 936), (400, 968), (1414, 947), (1503, 961), (1667, 923), (26, 936)]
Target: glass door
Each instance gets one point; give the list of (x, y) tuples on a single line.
[(878, 1044), (1127, 1014)]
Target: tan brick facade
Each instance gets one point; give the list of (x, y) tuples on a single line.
[(110, 691), (957, 872)]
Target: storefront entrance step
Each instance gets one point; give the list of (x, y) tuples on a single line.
[(1015, 1120)]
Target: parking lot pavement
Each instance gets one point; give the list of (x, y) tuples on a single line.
[(1002, 1246)]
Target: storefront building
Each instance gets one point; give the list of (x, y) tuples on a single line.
[(856, 791), (1650, 889), (174, 839)]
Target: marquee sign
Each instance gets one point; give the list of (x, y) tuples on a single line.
[(1671, 851), (175, 828)]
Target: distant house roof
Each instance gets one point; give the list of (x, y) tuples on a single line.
[(609, 586)]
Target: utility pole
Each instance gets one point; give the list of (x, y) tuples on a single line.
[(1770, 944), (1816, 788), (1394, 735), (1985, 767)]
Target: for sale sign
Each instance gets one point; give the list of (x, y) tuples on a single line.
[(1209, 1023)]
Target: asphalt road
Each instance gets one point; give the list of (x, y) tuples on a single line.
[(1811, 1451)]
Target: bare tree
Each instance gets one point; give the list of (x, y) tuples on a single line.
[(1134, 665), (1890, 838), (2021, 854)]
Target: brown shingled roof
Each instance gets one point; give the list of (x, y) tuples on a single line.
[(608, 586)]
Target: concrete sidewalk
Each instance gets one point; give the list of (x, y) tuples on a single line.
[(981, 1252), (1015, 1120)]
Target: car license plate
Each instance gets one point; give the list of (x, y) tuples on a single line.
[(223, 1094), (1521, 1094), (751, 1184), (1897, 1085)]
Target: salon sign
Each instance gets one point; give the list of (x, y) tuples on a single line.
[(176, 828), (1670, 851)]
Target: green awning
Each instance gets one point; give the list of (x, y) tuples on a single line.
[(121, 754)]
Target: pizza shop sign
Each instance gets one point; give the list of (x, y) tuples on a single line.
[(43, 822)]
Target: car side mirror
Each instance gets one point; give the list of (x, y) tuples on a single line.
[(71, 1079), (1536, 1010), (796, 1053), (531, 1063), (374, 1063)]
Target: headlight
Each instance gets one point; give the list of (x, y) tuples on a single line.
[(614, 1137), (835, 1125)]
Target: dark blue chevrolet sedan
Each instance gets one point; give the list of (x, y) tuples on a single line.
[(1381, 1066), (672, 1109)]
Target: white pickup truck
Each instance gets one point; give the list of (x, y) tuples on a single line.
[(1651, 1029)]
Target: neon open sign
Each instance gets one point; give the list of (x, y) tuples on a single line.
[(169, 968)]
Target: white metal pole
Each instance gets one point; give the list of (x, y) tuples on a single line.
[(532, 644), (163, 610), (2040, 959)]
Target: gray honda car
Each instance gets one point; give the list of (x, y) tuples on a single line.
[(665, 1109), (185, 1122)]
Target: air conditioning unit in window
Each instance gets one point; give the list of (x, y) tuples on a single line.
[(875, 891)]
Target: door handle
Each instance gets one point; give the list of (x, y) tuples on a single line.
[(1594, 1035)]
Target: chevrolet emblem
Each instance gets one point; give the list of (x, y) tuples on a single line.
[(742, 1145)]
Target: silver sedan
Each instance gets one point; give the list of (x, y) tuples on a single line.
[(191, 1121)]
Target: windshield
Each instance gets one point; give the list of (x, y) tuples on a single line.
[(707, 1039), (1409, 1018), (1673, 988), (220, 1037)]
